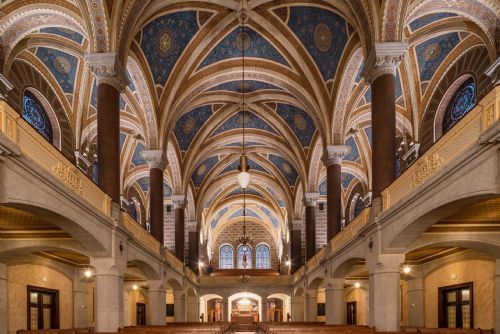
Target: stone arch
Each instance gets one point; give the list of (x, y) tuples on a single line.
[(341, 269), (150, 272)]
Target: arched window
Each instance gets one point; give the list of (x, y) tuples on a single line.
[(226, 257), (36, 116), (262, 257), (248, 251), (460, 104)]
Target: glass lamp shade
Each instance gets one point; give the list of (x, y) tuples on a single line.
[(244, 179)]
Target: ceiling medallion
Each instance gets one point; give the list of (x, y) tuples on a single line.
[(323, 37), (165, 42), (300, 122), (286, 168), (432, 51), (62, 65), (201, 170), (189, 125), (243, 41)]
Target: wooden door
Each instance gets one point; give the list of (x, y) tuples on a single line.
[(140, 314), (351, 313)]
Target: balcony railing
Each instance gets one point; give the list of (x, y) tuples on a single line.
[(140, 233), (452, 145), (34, 147)]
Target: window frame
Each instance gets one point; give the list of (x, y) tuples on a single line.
[(220, 256), (268, 255), (442, 319), (55, 306)]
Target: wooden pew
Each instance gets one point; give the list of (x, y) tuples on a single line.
[(57, 331)]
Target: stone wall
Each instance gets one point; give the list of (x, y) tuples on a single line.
[(321, 236), (169, 228)]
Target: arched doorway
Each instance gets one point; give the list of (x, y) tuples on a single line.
[(244, 305), (278, 307), (211, 308)]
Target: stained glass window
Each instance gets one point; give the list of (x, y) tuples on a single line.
[(244, 249), (226, 257), (262, 257), (36, 116), (461, 103)]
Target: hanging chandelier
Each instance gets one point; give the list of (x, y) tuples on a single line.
[(243, 176)]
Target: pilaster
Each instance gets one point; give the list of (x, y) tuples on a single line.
[(311, 303), (416, 300), (334, 302), (180, 304)]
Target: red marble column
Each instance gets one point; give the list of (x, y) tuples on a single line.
[(383, 132), (296, 261), (156, 167), (108, 140), (333, 162), (193, 251), (310, 200), (110, 82), (179, 206), (380, 72)]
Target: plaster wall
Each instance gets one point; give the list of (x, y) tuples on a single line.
[(20, 276), (134, 297), (481, 273), (359, 296)]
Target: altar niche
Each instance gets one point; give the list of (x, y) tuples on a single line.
[(245, 310)]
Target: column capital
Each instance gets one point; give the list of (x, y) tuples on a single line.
[(310, 199), (297, 224), (107, 69), (383, 59), (334, 154), (5, 88), (155, 158), (180, 201)]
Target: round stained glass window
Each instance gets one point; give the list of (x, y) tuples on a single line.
[(460, 104), (36, 116)]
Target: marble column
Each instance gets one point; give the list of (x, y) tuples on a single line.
[(334, 302), (4, 323), (385, 301), (157, 163), (109, 309), (179, 216), (111, 80), (296, 243), (497, 296), (180, 303), (310, 200), (311, 303), (380, 72), (416, 302), (156, 308), (333, 161)]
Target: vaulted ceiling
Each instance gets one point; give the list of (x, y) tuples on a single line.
[(303, 84)]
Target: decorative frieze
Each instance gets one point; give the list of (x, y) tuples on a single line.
[(69, 175), (426, 168)]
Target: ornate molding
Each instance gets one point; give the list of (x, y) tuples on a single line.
[(425, 169), (5, 88), (155, 158), (180, 201), (334, 154), (383, 59), (310, 199), (69, 175), (107, 69)]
